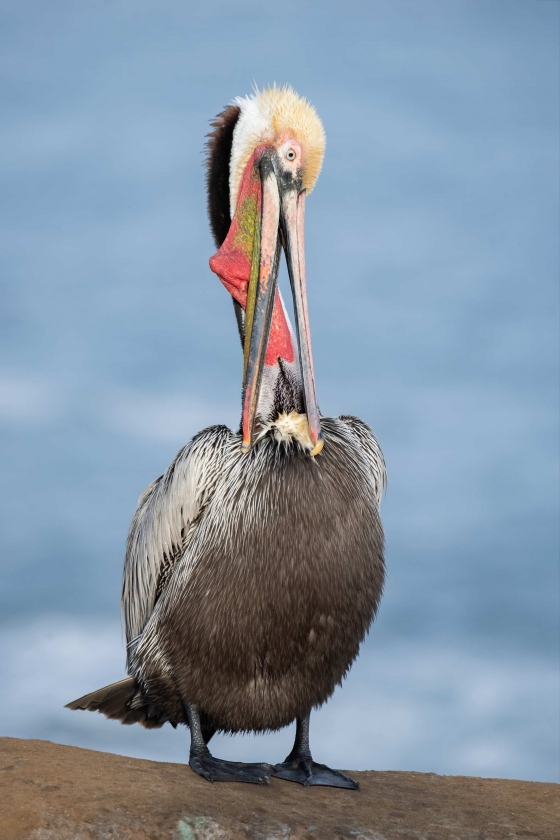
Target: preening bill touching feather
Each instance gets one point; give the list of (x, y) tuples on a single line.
[(254, 565)]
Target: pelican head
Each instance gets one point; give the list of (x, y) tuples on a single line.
[(272, 144)]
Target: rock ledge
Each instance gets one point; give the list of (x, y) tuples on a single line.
[(52, 792)]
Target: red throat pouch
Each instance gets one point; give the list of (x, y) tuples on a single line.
[(232, 262)]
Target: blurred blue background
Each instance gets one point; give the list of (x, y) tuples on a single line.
[(432, 243)]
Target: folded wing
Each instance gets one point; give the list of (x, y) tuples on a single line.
[(367, 442), (168, 512)]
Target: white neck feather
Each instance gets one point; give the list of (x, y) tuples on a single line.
[(253, 126)]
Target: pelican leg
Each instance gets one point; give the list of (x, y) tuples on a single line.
[(215, 769), (300, 767)]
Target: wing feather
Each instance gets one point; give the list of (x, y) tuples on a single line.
[(367, 442), (168, 511)]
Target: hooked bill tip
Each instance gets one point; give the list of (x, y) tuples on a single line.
[(318, 447)]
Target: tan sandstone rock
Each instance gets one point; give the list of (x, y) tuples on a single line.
[(52, 792)]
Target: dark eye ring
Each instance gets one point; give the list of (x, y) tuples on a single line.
[(290, 154)]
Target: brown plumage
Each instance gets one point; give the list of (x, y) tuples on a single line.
[(288, 576), (116, 702), (218, 149), (289, 573)]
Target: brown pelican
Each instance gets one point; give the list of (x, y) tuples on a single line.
[(254, 565)]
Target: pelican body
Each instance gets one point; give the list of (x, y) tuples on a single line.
[(254, 566)]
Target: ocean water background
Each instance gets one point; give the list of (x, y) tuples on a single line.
[(433, 264)]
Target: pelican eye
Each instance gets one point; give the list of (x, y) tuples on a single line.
[(290, 154)]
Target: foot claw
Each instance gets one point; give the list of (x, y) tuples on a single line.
[(306, 772), (218, 770)]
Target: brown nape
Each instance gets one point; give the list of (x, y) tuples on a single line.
[(217, 175)]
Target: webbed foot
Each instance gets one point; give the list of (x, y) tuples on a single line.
[(305, 771), (218, 770)]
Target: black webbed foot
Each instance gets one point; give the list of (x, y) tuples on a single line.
[(300, 767), (218, 770), (305, 771)]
